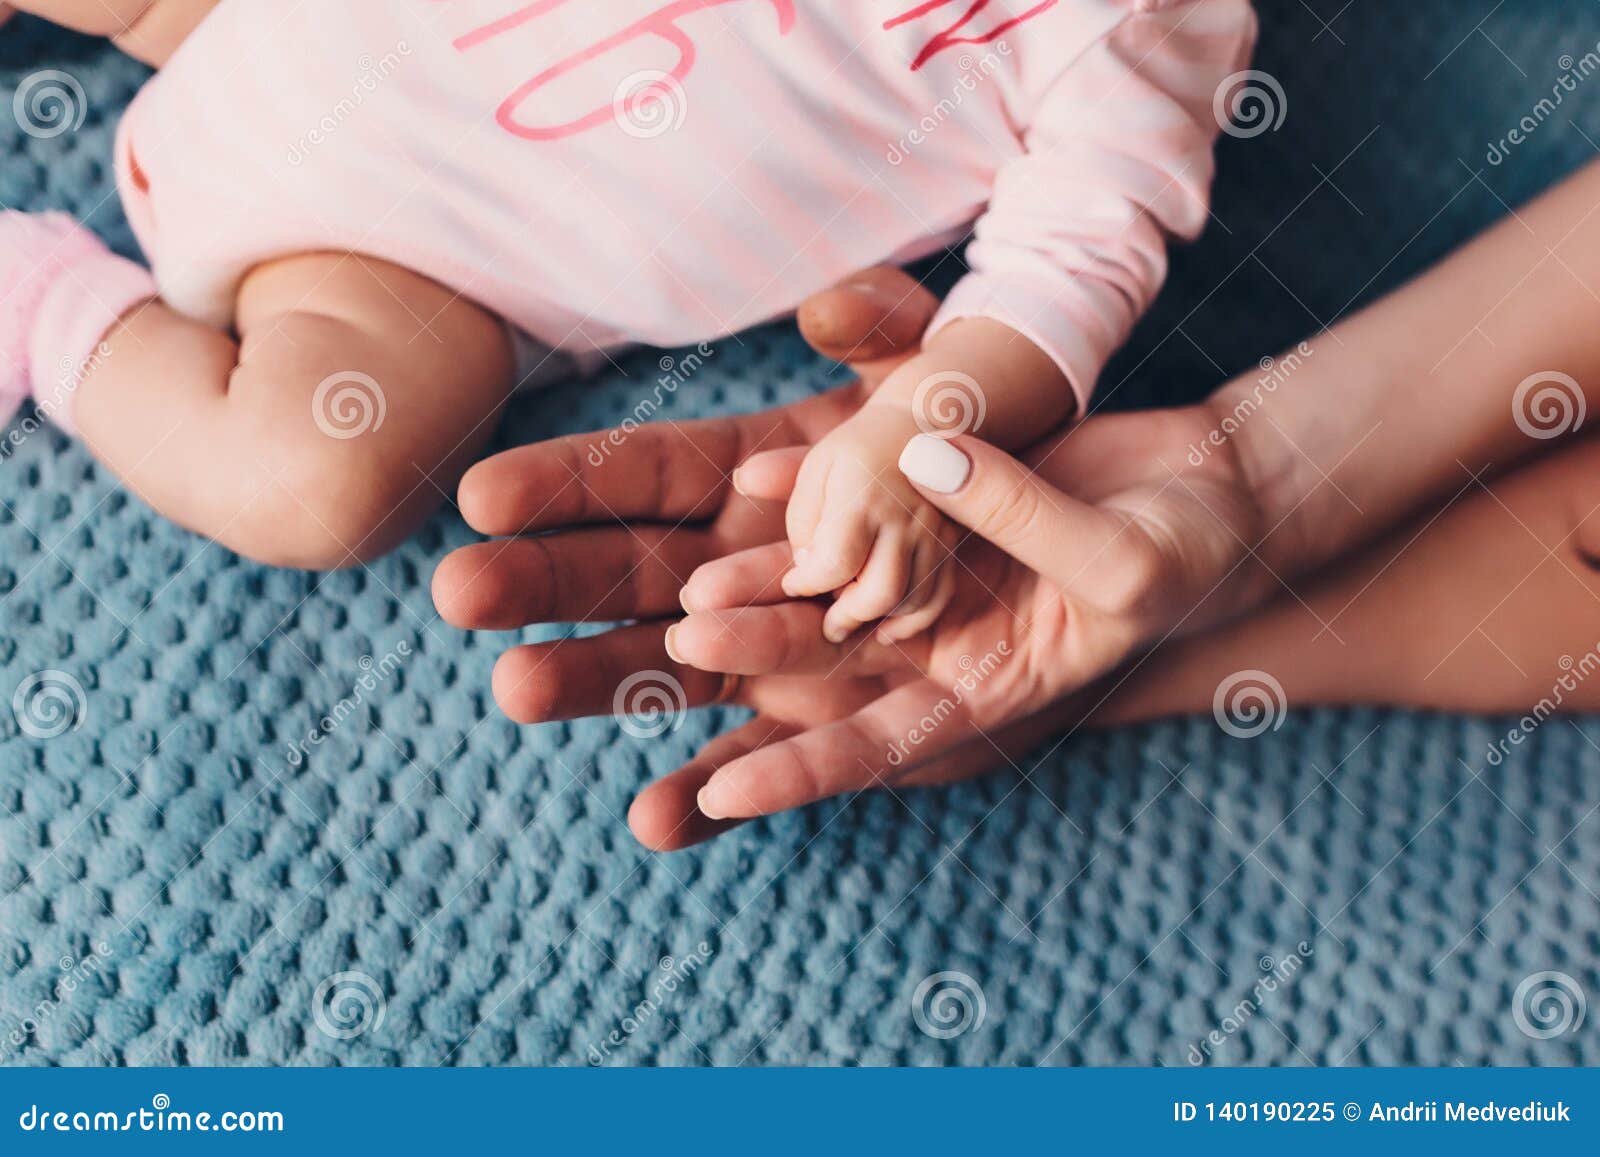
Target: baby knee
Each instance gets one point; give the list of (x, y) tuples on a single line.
[(318, 514)]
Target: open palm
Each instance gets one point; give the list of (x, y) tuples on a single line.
[(616, 536)]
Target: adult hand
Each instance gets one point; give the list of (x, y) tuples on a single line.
[(997, 673), (1098, 544)]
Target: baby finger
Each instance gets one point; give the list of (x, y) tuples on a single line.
[(834, 556), (901, 626), (880, 586)]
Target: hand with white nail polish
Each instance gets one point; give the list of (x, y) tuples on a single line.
[(1096, 544), (1090, 547)]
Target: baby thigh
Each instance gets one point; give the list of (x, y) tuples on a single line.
[(355, 397)]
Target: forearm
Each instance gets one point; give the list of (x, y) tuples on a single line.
[(1405, 401), (981, 377)]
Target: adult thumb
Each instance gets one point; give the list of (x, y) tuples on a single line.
[(1080, 547), (878, 315)]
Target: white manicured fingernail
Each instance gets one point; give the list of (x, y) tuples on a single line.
[(706, 806), (935, 464), (672, 652)]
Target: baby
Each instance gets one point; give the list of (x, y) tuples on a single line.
[(370, 222)]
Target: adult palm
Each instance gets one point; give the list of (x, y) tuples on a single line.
[(1116, 539)]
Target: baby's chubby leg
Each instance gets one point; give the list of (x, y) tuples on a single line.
[(356, 395)]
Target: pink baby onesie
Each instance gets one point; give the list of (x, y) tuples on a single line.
[(602, 173)]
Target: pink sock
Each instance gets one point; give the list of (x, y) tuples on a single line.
[(61, 291)]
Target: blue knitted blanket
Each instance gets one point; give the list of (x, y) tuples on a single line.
[(187, 876)]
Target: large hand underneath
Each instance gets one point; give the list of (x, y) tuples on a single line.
[(830, 718)]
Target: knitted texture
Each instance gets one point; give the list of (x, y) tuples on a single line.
[(187, 878)]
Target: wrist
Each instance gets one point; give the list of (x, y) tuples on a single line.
[(1296, 527), (895, 400), (886, 422)]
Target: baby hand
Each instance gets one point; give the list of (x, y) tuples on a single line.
[(859, 529)]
